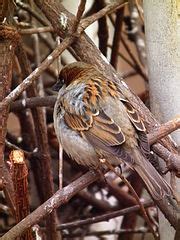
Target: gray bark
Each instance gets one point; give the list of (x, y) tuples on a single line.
[(162, 29)]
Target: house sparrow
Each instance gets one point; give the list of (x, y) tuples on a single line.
[(94, 121)]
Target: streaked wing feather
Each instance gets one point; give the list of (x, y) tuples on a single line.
[(134, 116), (106, 135), (103, 118), (76, 122), (101, 127), (144, 145), (116, 150), (104, 122)]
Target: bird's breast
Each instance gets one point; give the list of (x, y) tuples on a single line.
[(77, 147)]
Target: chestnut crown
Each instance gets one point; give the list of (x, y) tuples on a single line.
[(71, 72)]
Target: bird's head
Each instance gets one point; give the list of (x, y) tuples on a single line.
[(71, 72)]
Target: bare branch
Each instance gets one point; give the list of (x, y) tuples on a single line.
[(19, 176), (59, 198), (105, 11), (164, 130), (105, 217), (117, 37), (35, 30), (37, 72), (28, 8)]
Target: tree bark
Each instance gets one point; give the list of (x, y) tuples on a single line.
[(161, 25)]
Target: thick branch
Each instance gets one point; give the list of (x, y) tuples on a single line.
[(59, 198), (19, 176), (40, 166), (8, 41)]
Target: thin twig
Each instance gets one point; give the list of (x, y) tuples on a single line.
[(35, 30), (15, 147), (109, 166), (79, 14), (105, 217), (37, 72), (60, 166), (105, 11), (28, 8), (125, 59), (140, 11), (122, 232), (129, 74), (136, 33), (139, 67)]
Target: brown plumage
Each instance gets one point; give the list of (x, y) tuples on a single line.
[(93, 120)]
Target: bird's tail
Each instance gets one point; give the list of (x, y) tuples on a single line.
[(156, 185)]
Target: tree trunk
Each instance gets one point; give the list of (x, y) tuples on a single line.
[(163, 48)]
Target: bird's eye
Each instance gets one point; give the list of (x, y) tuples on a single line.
[(58, 85), (62, 81)]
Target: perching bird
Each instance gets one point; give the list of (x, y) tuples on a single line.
[(94, 121)]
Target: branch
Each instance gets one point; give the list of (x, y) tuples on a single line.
[(103, 30), (164, 130), (9, 39), (79, 14), (105, 11), (41, 165), (117, 37), (19, 176), (105, 217), (29, 9), (123, 232), (37, 72), (59, 49), (136, 33), (172, 159), (59, 198), (33, 102), (35, 30)]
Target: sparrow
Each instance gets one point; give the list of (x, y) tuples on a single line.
[(93, 121)]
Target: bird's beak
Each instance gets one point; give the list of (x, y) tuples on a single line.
[(57, 86)]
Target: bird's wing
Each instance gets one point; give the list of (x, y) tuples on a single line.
[(100, 130), (139, 126), (133, 116), (86, 117), (98, 125)]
